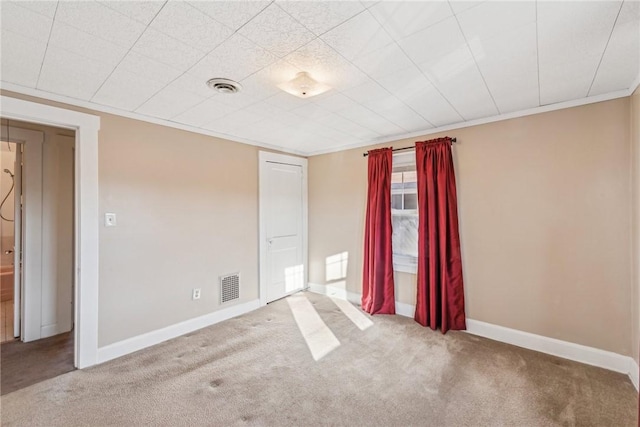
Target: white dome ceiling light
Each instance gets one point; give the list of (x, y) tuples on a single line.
[(303, 86)]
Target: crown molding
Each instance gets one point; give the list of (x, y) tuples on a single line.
[(137, 116), (11, 87)]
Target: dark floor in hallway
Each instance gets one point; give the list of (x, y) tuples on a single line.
[(24, 364)]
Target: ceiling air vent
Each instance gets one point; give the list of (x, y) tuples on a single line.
[(229, 287), (224, 85)]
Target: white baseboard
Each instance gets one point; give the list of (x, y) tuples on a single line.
[(567, 350), (634, 373), (139, 342)]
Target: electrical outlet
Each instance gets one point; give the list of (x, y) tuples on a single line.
[(195, 294)]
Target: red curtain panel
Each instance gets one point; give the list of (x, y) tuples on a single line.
[(377, 282), (440, 294)]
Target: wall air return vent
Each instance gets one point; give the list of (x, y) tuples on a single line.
[(229, 287)]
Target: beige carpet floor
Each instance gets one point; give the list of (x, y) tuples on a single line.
[(257, 370)]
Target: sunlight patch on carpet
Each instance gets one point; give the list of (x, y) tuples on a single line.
[(355, 315), (316, 333)]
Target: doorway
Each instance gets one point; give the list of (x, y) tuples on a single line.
[(283, 225), (86, 129), (37, 249)]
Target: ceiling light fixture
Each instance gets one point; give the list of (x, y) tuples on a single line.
[(303, 86), (224, 85)]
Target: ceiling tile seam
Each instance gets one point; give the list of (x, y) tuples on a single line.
[(475, 61), (613, 27), (469, 8), (430, 81), (211, 51), (106, 4), (46, 49), (330, 29), (379, 115), (421, 72), (19, 4), (241, 26), (538, 54), (127, 53), (378, 83)]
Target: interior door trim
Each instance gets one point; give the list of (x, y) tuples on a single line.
[(265, 157)]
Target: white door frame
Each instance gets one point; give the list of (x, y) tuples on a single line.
[(264, 157), (86, 218)]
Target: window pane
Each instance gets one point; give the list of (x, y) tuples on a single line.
[(405, 235), (396, 201), (410, 176), (396, 177), (411, 201)]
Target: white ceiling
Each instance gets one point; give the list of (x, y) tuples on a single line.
[(396, 68)]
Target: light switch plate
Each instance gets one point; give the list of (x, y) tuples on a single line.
[(109, 220)]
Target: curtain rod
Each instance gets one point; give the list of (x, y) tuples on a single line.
[(365, 154)]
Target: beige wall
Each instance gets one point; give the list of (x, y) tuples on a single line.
[(635, 221), (187, 212), (544, 222)]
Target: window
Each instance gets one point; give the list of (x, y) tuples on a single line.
[(404, 212)]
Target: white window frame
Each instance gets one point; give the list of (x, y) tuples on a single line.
[(404, 263)]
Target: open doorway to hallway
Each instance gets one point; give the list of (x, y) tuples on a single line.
[(37, 226)]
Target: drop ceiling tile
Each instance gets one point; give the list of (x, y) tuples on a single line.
[(46, 8), (236, 58), (358, 36), (203, 113), (415, 90), (468, 94), (565, 81), (25, 22), (66, 73), (320, 17), (191, 26), (383, 62), (311, 111), (399, 113), (438, 43), (325, 65), (99, 20), (264, 83), (370, 120), (334, 102), (402, 19), (509, 65), (571, 40), (341, 124), (141, 11), (193, 85), (276, 31), (70, 38), (266, 111), (367, 92), (286, 101), (166, 49), (237, 100), (21, 58), (461, 6), (149, 68), (621, 60), (168, 103), (126, 90), (493, 19), (233, 14)]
